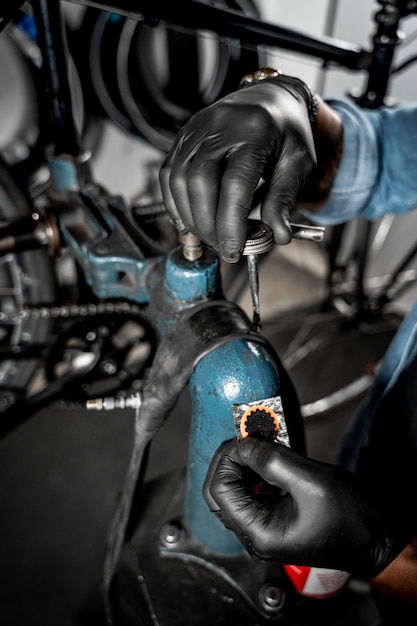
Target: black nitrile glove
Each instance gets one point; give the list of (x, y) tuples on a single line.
[(314, 513), (210, 175)]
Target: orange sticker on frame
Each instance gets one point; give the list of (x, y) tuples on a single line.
[(259, 419), (263, 419)]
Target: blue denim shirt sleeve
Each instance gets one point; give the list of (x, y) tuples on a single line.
[(377, 175), (378, 170)]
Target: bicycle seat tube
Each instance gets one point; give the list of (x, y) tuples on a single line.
[(230, 365)]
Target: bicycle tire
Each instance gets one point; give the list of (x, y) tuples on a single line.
[(26, 280), (330, 361), (330, 357), (152, 106)]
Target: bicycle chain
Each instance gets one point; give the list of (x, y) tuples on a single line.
[(70, 311)]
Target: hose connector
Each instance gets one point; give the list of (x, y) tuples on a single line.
[(110, 404)]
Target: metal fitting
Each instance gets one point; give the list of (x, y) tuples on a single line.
[(171, 534), (271, 598), (109, 404), (192, 247)]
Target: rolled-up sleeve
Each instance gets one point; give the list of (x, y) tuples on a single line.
[(378, 170)]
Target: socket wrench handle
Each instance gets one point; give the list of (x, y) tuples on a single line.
[(307, 232)]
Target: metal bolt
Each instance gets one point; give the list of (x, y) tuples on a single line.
[(171, 534), (271, 598), (192, 247), (108, 367), (7, 399)]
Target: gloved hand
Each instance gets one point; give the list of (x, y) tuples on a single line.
[(314, 513), (210, 175)]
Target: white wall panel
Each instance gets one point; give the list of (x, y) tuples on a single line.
[(353, 22), (305, 16)]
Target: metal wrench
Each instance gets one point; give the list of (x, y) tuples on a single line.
[(259, 240)]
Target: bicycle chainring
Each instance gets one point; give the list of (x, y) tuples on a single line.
[(110, 351)]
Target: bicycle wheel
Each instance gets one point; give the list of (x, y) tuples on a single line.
[(330, 355), (330, 361), (134, 72), (26, 280)]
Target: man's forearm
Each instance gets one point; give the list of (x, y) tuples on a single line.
[(328, 140), (399, 579)]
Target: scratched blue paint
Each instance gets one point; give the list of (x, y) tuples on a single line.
[(237, 372), (191, 281)]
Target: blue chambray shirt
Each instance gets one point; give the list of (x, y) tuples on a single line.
[(377, 175)]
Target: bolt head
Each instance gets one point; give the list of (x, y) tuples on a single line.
[(171, 534), (271, 598)]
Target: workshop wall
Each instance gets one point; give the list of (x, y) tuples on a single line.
[(352, 21)]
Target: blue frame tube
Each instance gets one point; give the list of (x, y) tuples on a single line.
[(238, 372)]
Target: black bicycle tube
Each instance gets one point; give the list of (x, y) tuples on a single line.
[(193, 14), (53, 45)]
